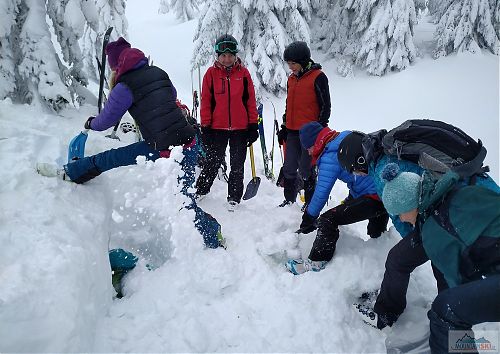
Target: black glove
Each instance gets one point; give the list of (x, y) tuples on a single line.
[(308, 224), (375, 228), (206, 134), (282, 134), (87, 123), (252, 133)]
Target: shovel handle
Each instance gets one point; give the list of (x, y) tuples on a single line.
[(252, 161)]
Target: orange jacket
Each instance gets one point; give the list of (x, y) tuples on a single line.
[(228, 98), (302, 102)]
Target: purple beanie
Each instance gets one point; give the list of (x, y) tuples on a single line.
[(114, 49), (308, 134)]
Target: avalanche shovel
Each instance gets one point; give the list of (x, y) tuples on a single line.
[(76, 148), (253, 185)]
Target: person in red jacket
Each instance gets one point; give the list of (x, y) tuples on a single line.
[(228, 112), (307, 100)]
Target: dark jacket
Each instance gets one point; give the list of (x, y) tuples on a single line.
[(308, 98), (148, 94), (460, 228)]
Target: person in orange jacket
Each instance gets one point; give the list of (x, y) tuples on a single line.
[(308, 100), (228, 112)]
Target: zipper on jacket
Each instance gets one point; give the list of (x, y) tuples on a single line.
[(229, 99)]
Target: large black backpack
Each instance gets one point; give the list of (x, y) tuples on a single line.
[(436, 146)]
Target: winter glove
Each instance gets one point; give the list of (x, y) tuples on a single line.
[(282, 134), (375, 228), (308, 224), (206, 134), (252, 133), (87, 123)]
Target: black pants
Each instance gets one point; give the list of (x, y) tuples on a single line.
[(402, 259), (296, 158), (351, 211), (215, 144)]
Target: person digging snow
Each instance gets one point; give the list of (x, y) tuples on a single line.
[(460, 232), (147, 93), (363, 203)]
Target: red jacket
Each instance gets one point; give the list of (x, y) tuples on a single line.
[(301, 101), (228, 98)]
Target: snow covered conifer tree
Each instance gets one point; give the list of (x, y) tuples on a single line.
[(8, 11), (30, 66), (263, 28), (41, 73), (185, 10), (387, 43), (465, 25), (102, 15), (377, 35)]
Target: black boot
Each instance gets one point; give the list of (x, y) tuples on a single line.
[(289, 191)]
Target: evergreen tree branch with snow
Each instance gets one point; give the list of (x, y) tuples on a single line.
[(466, 26), (263, 29), (185, 10), (31, 68), (376, 35)]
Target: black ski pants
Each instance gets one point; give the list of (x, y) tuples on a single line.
[(351, 211), (215, 144), (296, 158), (402, 259)]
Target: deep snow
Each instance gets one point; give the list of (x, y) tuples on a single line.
[(56, 293)]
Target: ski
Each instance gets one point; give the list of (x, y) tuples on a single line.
[(102, 72), (267, 171)]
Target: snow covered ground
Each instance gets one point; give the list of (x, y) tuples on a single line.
[(56, 293)]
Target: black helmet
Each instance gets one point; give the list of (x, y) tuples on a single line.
[(226, 43), (350, 154), (297, 52)]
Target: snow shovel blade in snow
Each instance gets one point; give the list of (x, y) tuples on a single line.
[(252, 188), (253, 185), (76, 149)]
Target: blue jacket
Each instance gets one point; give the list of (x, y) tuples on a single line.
[(329, 171)]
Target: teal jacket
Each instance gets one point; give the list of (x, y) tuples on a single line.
[(375, 169), (460, 227)]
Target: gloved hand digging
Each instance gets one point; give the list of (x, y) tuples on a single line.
[(308, 224), (87, 123)]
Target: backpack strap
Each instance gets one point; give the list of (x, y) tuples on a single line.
[(474, 166), (442, 213)]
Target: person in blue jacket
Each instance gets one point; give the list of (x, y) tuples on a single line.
[(362, 203), (363, 154)]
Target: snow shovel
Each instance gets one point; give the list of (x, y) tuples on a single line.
[(76, 148), (253, 185)]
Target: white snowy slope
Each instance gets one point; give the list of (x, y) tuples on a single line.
[(56, 293)]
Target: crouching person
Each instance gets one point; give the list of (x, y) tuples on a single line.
[(148, 94), (460, 232), (322, 144)]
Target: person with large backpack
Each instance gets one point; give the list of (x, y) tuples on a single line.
[(308, 100), (361, 204), (228, 114), (415, 146), (460, 232)]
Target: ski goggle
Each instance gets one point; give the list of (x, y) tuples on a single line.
[(226, 46)]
